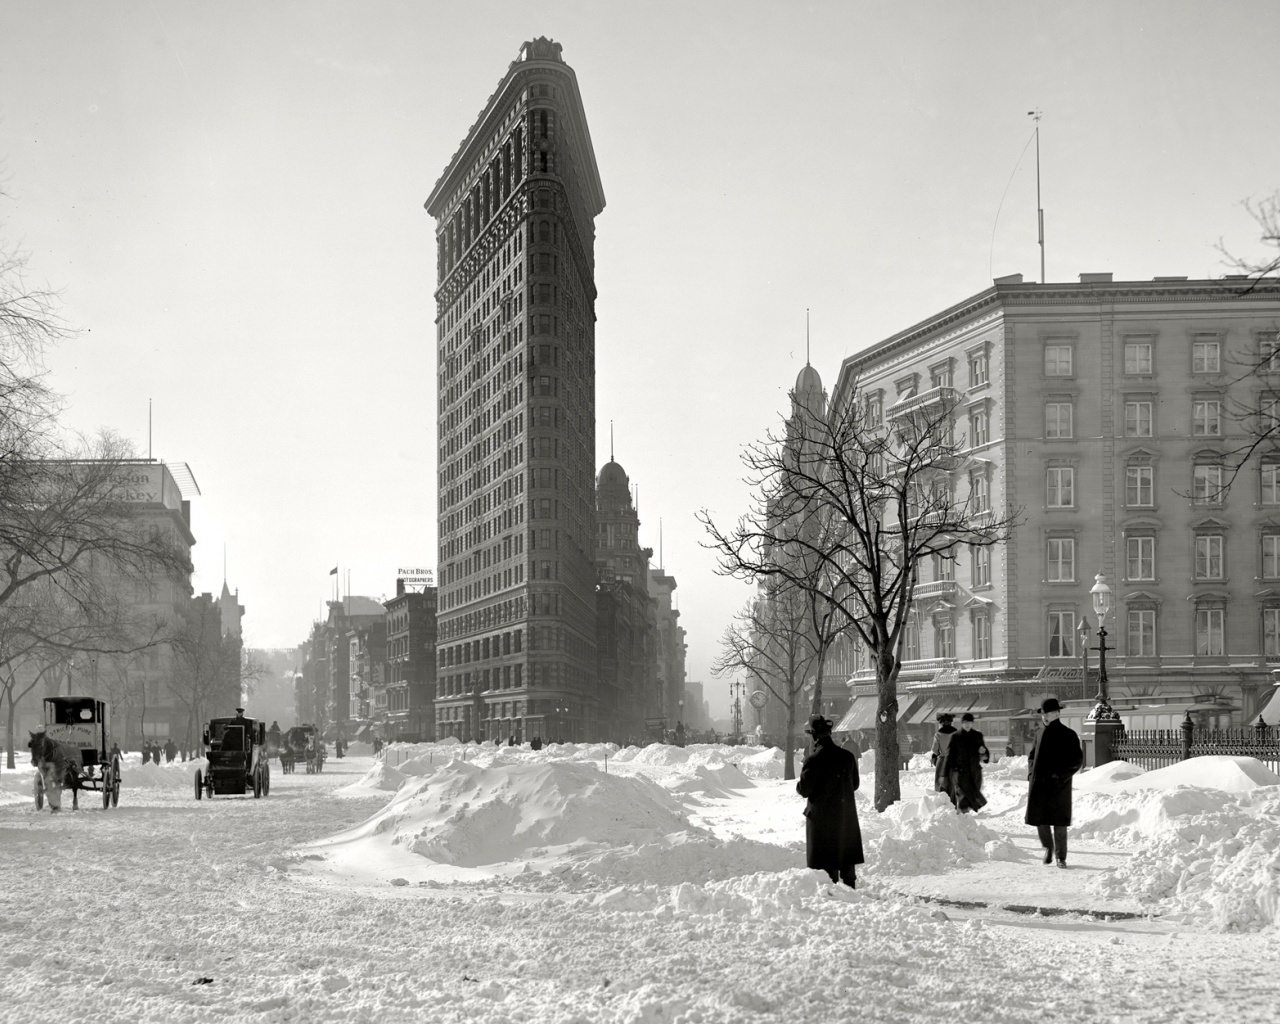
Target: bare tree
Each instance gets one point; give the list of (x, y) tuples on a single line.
[(207, 672), (865, 502), (772, 643)]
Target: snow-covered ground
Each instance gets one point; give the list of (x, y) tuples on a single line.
[(588, 884)]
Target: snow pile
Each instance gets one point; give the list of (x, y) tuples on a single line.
[(717, 782), (378, 779), (176, 775), (1110, 773), (766, 763), (1207, 838), (926, 836), (1007, 769)]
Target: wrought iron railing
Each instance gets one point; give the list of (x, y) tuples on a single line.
[(1157, 748)]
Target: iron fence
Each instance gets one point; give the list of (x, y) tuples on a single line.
[(1157, 748)]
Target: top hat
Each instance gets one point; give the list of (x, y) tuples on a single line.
[(1049, 704)]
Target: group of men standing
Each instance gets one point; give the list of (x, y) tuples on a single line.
[(829, 780)]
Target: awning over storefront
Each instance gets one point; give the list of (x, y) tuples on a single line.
[(905, 707), (861, 715), (923, 712), (1270, 711)]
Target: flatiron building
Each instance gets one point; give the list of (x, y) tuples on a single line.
[(515, 341)]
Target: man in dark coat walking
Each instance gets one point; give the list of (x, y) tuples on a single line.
[(967, 754), (829, 778), (1055, 757)]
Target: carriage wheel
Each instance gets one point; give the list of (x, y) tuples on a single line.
[(266, 779), (257, 785), (199, 785), (115, 782), (39, 790), (106, 788)]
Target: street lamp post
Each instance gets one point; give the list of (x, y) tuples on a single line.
[(736, 689), (1084, 630), (1102, 709)]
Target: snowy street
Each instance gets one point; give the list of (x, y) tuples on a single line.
[(499, 884)]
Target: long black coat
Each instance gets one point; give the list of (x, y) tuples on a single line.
[(1055, 756), (829, 778), (966, 755), (940, 755)]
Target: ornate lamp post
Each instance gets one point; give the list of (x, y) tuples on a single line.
[(1102, 709), (736, 689)]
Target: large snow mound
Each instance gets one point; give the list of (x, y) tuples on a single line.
[(928, 835), (571, 821), (1109, 773), (1229, 774)]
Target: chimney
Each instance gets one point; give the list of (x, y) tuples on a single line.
[(399, 586)]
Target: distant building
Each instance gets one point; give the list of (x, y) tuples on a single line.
[(347, 616), (626, 622), (515, 345), (1110, 413), (671, 645), (411, 664)]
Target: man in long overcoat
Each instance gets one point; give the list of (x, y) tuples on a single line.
[(967, 754), (829, 779), (1055, 757)]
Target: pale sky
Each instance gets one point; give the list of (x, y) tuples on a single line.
[(229, 198)]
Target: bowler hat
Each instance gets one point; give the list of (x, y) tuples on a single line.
[(818, 726), (1049, 704), (966, 717)]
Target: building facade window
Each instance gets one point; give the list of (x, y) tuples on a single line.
[(1060, 487), (980, 493), (875, 409), (1268, 352), (1140, 558), (1210, 632), (1139, 485), (1206, 484), (1209, 560), (1206, 356), (1271, 556), (1142, 633), (981, 570), (1058, 419), (1058, 360), (1271, 633), (979, 368), (945, 637), (1206, 417), (911, 640), (941, 376), (1061, 557), (1270, 489), (944, 567), (979, 427), (1138, 418), (1062, 634), (981, 635), (1137, 357)]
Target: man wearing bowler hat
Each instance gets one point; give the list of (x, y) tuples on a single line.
[(829, 778), (1055, 756)]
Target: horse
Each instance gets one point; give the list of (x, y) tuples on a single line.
[(59, 766)]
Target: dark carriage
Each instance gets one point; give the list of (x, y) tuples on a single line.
[(302, 744), (236, 749), (82, 723)]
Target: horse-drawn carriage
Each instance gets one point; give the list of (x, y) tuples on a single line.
[(71, 751), (237, 759), (302, 743)]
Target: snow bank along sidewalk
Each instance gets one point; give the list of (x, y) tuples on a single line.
[(1197, 841)]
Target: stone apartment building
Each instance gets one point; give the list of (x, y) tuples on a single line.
[(411, 664), (515, 340), (1113, 414)]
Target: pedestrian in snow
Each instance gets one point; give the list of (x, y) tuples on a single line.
[(968, 754), (1055, 756), (906, 748), (940, 755), (511, 740), (828, 779), (170, 751)]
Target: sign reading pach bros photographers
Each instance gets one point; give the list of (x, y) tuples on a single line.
[(417, 577)]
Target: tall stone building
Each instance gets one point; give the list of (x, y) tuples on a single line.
[(515, 338), (1112, 414)]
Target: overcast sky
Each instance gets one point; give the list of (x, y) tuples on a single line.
[(229, 198)]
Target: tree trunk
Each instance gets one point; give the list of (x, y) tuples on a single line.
[(817, 685), (789, 755), (888, 791), (8, 732)]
